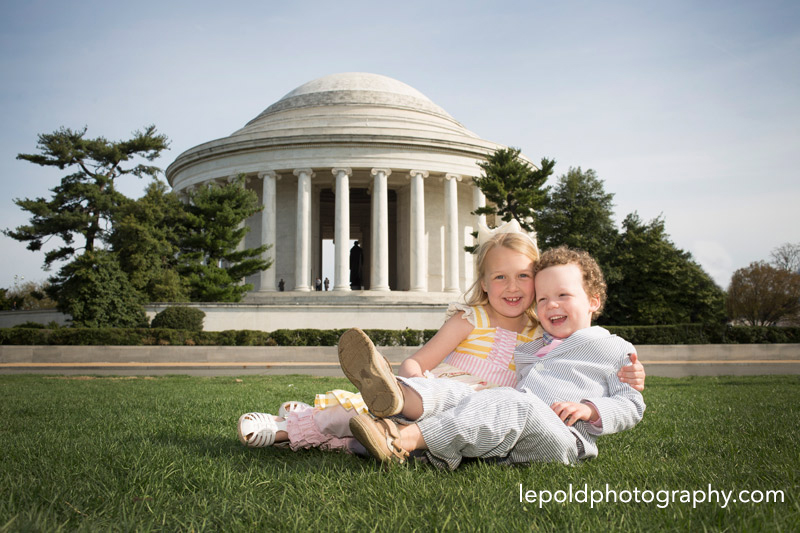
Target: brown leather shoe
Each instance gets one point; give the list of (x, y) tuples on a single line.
[(379, 437), (371, 373)]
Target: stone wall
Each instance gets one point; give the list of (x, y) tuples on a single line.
[(663, 361), (320, 311)]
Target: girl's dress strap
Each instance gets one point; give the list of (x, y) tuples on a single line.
[(475, 315), (483, 317)]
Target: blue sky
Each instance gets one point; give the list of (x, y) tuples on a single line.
[(687, 110)]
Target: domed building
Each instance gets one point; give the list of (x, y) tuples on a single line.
[(346, 157)]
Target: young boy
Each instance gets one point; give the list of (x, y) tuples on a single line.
[(568, 392)]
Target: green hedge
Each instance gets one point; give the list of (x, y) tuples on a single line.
[(706, 334), (681, 334), (183, 337)]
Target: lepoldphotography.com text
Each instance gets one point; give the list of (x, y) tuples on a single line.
[(661, 498)]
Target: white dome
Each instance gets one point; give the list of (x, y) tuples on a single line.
[(356, 81), (354, 102), (355, 88), (353, 119)]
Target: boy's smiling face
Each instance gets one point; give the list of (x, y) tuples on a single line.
[(562, 305)]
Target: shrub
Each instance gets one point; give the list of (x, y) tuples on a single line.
[(307, 337), (97, 336), (30, 325), (678, 334), (24, 336), (179, 317), (96, 293), (762, 334), (168, 337), (401, 337)]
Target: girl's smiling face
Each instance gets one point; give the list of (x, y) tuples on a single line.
[(562, 305), (508, 281)]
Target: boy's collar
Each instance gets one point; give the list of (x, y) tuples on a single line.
[(548, 338)]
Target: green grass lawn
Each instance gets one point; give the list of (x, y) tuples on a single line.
[(162, 454)]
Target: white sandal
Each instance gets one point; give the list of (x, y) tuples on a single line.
[(288, 407), (258, 430)]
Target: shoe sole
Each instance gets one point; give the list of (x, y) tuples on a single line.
[(371, 373), (242, 437)]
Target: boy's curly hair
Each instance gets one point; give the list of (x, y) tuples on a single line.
[(593, 281)]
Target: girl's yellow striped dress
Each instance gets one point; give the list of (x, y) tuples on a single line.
[(484, 359)]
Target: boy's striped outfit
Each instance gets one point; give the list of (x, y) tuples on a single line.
[(516, 425)]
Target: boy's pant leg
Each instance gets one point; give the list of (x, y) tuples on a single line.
[(498, 423), (438, 394)]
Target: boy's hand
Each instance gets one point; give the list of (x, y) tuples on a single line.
[(571, 412), (633, 374)]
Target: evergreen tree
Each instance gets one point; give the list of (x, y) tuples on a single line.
[(146, 237), (579, 214), (92, 287), (212, 261), (82, 204), (658, 283), (512, 187), (96, 293)]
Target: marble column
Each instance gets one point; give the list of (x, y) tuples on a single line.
[(234, 179), (302, 264), (341, 230), (478, 201), (379, 277), (451, 232), (268, 228), (185, 194), (418, 252)]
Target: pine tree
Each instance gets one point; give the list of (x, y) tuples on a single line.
[(579, 214), (513, 188), (91, 287), (658, 283), (212, 261), (82, 204), (146, 236)]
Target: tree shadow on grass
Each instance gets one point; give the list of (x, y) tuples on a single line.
[(208, 446)]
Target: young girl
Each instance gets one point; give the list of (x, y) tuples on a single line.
[(475, 346)]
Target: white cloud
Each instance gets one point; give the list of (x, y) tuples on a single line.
[(714, 259)]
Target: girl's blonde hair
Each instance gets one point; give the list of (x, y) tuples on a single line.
[(518, 242)]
